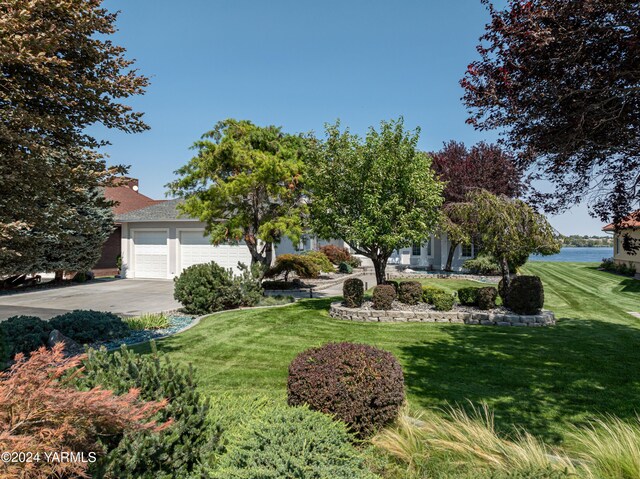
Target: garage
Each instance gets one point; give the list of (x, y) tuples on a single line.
[(151, 253), (195, 248)]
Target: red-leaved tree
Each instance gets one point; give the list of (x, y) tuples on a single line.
[(41, 414), (483, 166)]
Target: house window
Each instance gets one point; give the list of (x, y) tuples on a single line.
[(467, 250), (429, 253), (416, 249)]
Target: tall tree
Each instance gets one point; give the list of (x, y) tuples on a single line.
[(561, 78), (377, 194), (483, 166), (245, 183), (508, 228), (59, 74)]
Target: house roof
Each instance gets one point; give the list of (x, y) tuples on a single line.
[(127, 199), (631, 221), (160, 211)]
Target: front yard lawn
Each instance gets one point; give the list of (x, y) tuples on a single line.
[(542, 379)]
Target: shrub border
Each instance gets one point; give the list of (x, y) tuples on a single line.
[(338, 311)]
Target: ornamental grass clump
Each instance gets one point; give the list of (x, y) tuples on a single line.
[(353, 293), (148, 321), (383, 296), (410, 292), (324, 378)]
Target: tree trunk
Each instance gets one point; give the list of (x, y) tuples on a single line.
[(257, 256), (506, 275), (452, 250), (59, 276), (380, 265)]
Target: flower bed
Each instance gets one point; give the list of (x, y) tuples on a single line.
[(425, 313)]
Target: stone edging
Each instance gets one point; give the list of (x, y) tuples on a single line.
[(489, 280), (545, 318)]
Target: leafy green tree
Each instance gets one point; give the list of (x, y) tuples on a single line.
[(60, 73), (509, 229), (245, 183), (377, 194)]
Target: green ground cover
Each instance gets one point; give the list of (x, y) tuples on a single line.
[(541, 379)]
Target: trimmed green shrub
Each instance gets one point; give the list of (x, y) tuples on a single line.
[(325, 379), (443, 301), (335, 253), (291, 443), (23, 334), (206, 288), (353, 293), (483, 264), (468, 296), (178, 450), (302, 265), (393, 283), (487, 297), (503, 293), (88, 326), (428, 292), (526, 295), (321, 261), (410, 292), (354, 262), (383, 296), (345, 268)]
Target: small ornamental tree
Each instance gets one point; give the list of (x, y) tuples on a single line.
[(245, 183), (40, 412), (508, 229), (377, 193), (561, 79)]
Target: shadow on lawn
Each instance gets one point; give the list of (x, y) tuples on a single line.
[(539, 380)]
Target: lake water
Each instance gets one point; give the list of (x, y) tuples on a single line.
[(577, 255)]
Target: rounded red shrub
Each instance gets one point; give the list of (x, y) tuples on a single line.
[(357, 383), (410, 292), (383, 296)]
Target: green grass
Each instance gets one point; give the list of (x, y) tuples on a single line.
[(541, 379)]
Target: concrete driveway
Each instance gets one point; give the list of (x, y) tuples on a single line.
[(120, 296)]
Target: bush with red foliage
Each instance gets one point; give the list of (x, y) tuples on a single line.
[(357, 383), (383, 296), (336, 254), (41, 412)]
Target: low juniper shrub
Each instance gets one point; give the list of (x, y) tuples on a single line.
[(487, 297), (383, 296), (468, 296), (410, 292), (23, 334), (324, 379), (353, 293), (88, 326), (526, 295), (345, 268)]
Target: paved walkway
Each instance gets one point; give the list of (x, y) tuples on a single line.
[(120, 296)]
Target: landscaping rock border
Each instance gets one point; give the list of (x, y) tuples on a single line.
[(545, 318), (444, 275)]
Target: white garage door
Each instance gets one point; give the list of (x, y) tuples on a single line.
[(151, 251), (196, 248)]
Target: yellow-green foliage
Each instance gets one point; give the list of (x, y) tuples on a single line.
[(148, 321)]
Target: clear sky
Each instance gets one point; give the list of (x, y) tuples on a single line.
[(297, 64)]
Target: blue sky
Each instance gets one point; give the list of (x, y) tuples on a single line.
[(297, 64)]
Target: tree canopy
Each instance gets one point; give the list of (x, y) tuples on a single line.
[(561, 79), (509, 229), (245, 183), (376, 193), (59, 74)]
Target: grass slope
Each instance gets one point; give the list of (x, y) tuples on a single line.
[(541, 379)]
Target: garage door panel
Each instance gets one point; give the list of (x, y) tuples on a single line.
[(151, 253), (196, 249)]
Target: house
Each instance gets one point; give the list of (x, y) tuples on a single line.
[(127, 196), (431, 255), (157, 242), (629, 226)]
